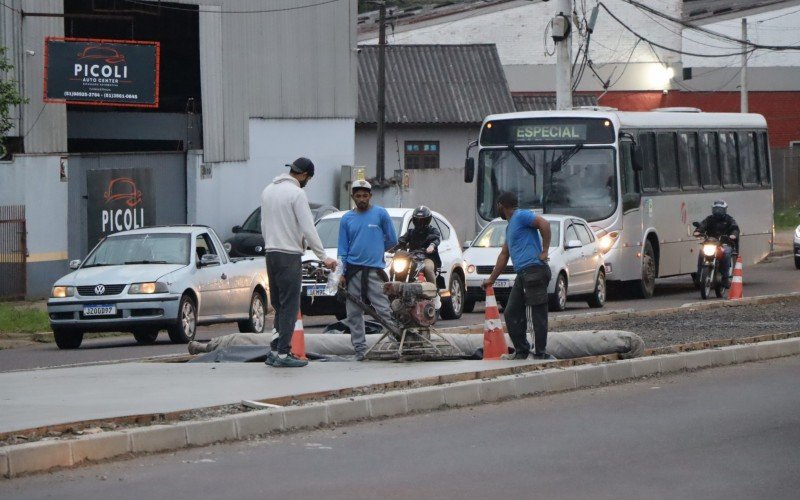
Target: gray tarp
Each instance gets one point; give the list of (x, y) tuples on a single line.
[(562, 345)]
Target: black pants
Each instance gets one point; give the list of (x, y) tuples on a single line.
[(285, 276), (526, 309)]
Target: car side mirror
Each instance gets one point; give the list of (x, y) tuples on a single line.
[(236, 229), (209, 259), (696, 224), (573, 244), (74, 264), (469, 169), (467, 244)]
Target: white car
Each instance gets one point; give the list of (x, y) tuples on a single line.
[(576, 262), (314, 302), (168, 277)]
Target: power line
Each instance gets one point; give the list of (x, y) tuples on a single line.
[(257, 11), (12, 9)]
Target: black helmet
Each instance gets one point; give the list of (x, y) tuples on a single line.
[(422, 216), (719, 209)]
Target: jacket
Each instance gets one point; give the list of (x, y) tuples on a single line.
[(717, 228), (420, 239), (286, 220)]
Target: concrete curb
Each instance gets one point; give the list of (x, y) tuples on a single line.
[(43, 455)]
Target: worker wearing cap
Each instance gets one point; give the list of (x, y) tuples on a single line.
[(365, 233), (288, 227)]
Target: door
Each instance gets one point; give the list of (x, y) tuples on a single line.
[(574, 258), (589, 256), (212, 281), (12, 252)]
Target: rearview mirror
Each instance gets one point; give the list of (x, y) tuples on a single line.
[(573, 244), (236, 229), (209, 259), (696, 224), (467, 244), (469, 169), (74, 264)]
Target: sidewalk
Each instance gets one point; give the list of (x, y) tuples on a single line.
[(783, 243)]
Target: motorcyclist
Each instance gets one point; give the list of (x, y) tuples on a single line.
[(722, 226), (423, 235)]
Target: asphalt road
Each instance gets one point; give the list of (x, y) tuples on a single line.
[(724, 433), (770, 277)]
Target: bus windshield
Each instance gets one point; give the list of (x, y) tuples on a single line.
[(574, 180)]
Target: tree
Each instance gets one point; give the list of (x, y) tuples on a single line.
[(9, 97)]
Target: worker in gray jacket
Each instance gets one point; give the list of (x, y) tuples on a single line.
[(288, 227)]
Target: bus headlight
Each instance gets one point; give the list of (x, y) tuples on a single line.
[(399, 265), (148, 288), (607, 241), (59, 292), (709, 250)]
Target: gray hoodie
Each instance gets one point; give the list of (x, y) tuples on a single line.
[(286, 221)]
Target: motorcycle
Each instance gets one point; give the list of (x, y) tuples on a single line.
[(407, 265), (710, 275)]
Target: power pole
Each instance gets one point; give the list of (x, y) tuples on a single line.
[(743, 83), (562, 35), (381, 156)]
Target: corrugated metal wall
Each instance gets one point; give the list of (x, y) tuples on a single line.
[(278, 59), (10, 34), (44, 126)]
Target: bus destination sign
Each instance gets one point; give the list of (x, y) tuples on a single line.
[(548, 132)]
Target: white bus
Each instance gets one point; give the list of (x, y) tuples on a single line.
[(639, 178)]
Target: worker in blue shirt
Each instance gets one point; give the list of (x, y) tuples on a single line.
[(526, 308), (365, 233)]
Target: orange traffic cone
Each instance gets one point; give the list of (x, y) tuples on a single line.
[(737, 291), (494, 340), (298, 338)]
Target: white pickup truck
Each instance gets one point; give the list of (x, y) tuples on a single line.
[(166, 277)]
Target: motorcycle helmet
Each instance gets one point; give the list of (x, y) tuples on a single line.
[(422, 217), (719, 209)]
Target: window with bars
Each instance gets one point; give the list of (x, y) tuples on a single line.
[(421, 154)]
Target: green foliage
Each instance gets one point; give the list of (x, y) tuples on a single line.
[(9, 96), (787, 219), (23, 320)]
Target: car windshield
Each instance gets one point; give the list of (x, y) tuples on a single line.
[(328, 230), (549, 179), (151, 248), (494, 235), (253, 223)]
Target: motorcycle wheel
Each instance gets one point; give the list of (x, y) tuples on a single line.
[(706, 277)]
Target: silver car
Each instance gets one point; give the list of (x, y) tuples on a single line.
[(576, 262), (145, 280)]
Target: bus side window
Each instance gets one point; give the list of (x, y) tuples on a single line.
[(763, 159), (747, 158), (647, 143), (630, 188), (687, 157), (709, 160)]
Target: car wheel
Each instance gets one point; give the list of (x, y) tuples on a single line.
[(469, 305), (598, 297), (146, 336), (453, 306), (558, 299), (185, 329), (67, 339), (647, 285), (797, 262), (257, 317)]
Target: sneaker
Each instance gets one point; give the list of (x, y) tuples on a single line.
[(271, 357), (543, 356), (197, 347), (516, 356), (290, 361), (360, 356)]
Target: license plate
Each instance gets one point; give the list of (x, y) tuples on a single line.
[(99, 310), (503, 283), (315, 290)]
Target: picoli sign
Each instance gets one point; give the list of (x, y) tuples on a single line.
[(119, 200), (101, 72)]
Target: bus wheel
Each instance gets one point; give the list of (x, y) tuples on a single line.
[(647, 285)]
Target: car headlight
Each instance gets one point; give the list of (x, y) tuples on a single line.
[(607, 241), (399, 265), (60, 292), (797, 232), (470, 268), (148, 287), (709, 250)]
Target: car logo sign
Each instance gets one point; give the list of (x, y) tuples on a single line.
[(99, 290)]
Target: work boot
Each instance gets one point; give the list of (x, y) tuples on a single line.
[(197, 347), (271, 357), (360, 356), (516, 356), (543, 356), (289, 361)]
